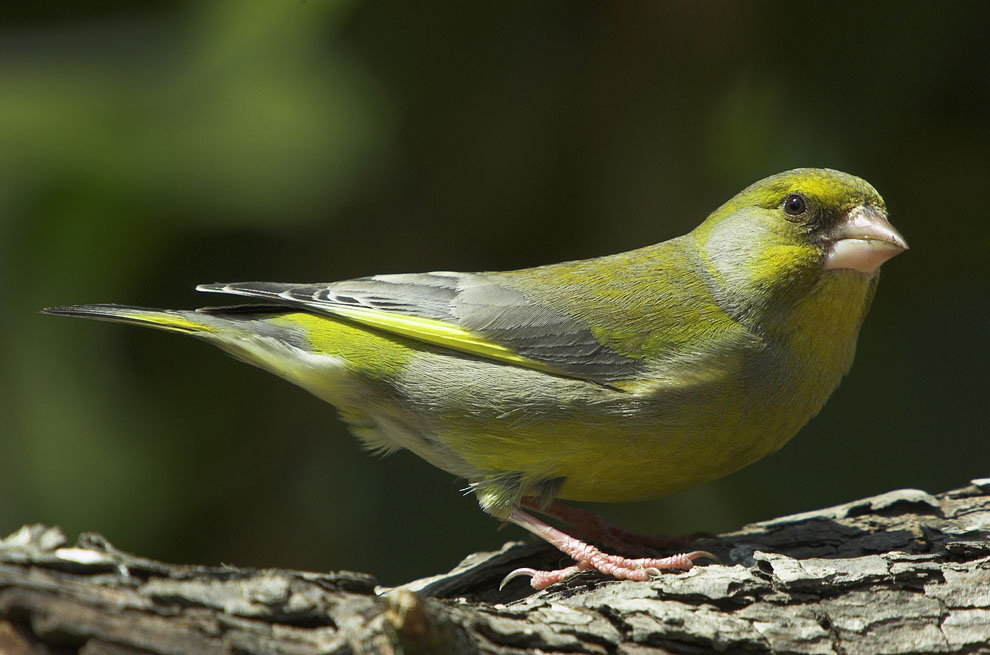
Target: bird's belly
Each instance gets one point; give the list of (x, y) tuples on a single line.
[(637, 462), (613, 447), (652, 465), (614, 454)]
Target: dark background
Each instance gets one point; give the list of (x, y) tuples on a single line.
[(147, 147)]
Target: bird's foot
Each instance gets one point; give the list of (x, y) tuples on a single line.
[(592, 528), (621, 568), (587, 557)]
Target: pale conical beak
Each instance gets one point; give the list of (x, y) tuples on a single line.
[(862, 241)]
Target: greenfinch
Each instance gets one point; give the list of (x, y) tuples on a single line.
[(618, 378)]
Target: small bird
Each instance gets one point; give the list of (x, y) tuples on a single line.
[(618, 378)]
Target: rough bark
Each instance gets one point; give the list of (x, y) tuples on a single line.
[(904, 572)]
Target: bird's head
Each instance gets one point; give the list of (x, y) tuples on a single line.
[(781, 237)]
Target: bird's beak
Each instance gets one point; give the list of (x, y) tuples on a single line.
[(862, 240)]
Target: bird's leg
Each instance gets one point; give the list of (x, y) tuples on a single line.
[(587, 556), (593, 528)]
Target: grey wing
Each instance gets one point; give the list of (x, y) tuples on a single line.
[(475, 302)]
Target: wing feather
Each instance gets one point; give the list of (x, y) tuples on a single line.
[(467, 312)]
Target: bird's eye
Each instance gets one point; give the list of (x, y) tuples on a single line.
[(795, 205)]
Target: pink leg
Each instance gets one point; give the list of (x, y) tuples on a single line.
[(591, 527), (589, 557)]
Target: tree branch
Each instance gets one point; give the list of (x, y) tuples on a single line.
[(904, 572)]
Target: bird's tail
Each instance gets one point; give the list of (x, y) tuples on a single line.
[(187, 322), (261, 335)]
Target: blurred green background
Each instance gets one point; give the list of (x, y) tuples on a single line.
[(146, 147)]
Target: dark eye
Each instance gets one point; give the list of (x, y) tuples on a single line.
[(795, 205)]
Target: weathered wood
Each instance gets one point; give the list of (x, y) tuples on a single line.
[(904, 572)]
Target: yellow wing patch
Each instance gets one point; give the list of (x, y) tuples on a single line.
[(433, 331)]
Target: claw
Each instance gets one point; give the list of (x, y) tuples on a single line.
[(698, 554), (516, 574)]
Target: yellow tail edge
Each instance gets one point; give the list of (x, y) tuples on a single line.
[(163, 319)]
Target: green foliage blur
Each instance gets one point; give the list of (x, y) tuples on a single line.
[(146, 147)]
